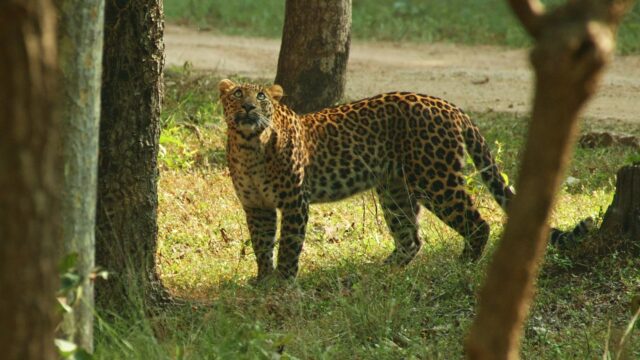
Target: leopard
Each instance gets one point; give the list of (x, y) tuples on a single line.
[(408, 147)]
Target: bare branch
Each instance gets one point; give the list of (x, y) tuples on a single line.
[(574, 42), (529, 12), (617, 9)]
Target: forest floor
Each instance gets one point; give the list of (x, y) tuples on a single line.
[(345, 304), (479, 78)]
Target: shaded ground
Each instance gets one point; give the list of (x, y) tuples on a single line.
[(478, 78)]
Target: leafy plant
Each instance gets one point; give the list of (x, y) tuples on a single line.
[(69, 293)]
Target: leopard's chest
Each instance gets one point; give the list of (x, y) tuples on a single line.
[(252, 183)]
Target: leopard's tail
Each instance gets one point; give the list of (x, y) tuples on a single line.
[(501, 191), (564, 239), (485, 163)]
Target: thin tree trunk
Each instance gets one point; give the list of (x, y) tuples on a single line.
[(80, 58), (312, 65), (573, 44), (29, 169), (129, 130)]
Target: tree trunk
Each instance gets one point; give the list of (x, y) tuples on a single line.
[(312, 65), (623, 215), (573, 44), (29, 176), (127, 165), (80, 57)]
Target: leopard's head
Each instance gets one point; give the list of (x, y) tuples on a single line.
[(248, 108)]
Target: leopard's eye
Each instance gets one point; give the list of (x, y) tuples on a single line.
[(261, 96), (237, 93)]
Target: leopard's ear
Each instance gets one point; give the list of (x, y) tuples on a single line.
[(225, 85), (276, 92)]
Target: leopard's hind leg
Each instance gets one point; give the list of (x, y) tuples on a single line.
[(455, 207), (400, 211)]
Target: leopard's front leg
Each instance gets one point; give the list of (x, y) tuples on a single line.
[(294, 222), (262, 227)]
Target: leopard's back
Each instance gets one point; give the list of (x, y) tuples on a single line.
[(355, 146)]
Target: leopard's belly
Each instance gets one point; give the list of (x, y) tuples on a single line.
[(332, 182)]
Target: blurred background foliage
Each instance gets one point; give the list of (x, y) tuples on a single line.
[(457, 21)]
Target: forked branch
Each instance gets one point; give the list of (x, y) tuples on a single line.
[(529, 12), (573, 44)]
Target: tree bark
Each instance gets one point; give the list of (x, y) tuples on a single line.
[(127, 165), (623, 215), (312, 65), (80, 58), (573, 44), (29, 175)]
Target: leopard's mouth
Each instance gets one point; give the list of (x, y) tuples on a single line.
[(247, 118), (251, 122)]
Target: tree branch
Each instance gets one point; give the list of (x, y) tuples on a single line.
[(529, 12), (573, 44)]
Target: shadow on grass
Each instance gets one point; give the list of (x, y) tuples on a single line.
[(330, 311), (364, 309)]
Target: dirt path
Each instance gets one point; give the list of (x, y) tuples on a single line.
[(474, 77)]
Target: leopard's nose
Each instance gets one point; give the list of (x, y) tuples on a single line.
[(248, 107)]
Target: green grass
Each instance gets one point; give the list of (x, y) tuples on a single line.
[(457, 21), (345, 304)]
